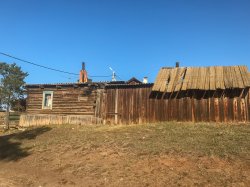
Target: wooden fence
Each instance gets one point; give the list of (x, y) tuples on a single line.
[(134, 105), (13, 121), (2, 116), (27, 120)]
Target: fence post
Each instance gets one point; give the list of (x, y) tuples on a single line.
[(116, 106)]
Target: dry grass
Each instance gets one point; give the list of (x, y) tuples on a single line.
[(173, 154)]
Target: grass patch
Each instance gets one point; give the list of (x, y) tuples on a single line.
[(155, 139), (199, 139), (162, 154)]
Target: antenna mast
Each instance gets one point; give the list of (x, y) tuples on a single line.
[(113, 74)]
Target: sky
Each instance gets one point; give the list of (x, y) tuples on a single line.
[(134, 37)]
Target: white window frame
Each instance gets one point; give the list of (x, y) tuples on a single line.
[(43, 104)]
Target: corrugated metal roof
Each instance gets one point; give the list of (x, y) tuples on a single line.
[(202, 78)]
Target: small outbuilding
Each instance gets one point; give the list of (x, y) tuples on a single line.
[(215, 93), (209, 94)]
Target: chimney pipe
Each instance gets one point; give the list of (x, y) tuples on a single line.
[(83, 74), (83, 65), (145, 80), (177, 64)]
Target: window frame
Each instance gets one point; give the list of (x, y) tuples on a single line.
[(43, 104)]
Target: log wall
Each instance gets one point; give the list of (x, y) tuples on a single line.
[(66, 101), (141, 105)]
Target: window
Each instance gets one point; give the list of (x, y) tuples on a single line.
[(47, 100)]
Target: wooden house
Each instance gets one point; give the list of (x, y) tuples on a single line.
[(211, 94), (133, 81), (75, 103)]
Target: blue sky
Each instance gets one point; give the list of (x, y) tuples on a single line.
[(134, 37)]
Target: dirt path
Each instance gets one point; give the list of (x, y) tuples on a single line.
[(105, 167)]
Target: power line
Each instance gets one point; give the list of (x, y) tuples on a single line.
[(99, 75), (41, 66), (49, 68), (119, 77), (96, 75)]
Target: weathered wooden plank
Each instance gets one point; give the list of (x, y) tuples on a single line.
[(203, 109), (191, 80), (202, 76), (238, 78), (185, 108), (207, 80), (189, 109), (217, 113), (235, 109), (226, 77), (179, 80), (164, 79), (225, 108), (197, 109), (193, 107), (243, 113), (171, 85), (189, 84), (232, 76), (244, 76), (219, 78), (157, 84), (195, 78), (198, 79), (212, 78), (186, 79), (248, 104), (212, 109)]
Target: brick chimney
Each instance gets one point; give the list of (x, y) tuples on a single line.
[(83, 74)]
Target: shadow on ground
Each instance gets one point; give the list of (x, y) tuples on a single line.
[(11, 145)]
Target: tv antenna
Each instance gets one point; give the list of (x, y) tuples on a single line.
[(113, 74)]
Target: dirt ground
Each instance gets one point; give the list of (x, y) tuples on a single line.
[(163, 154)]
